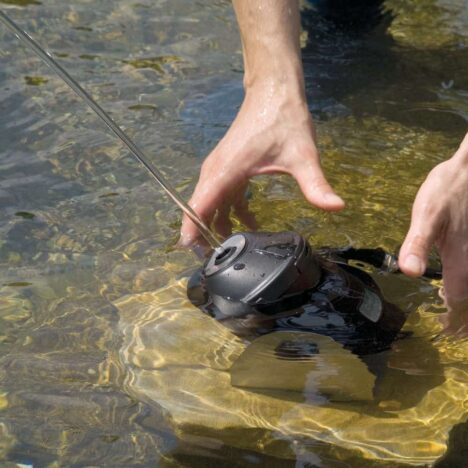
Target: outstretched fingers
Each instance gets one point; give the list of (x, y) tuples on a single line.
[(315, 186), (222, 223), (211, 200), (205, 209), (242, 211), (426, 227)]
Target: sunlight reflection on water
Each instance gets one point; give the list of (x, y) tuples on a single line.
[(103, 360)]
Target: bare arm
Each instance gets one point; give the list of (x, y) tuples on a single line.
[(273, 131), (270, 41)]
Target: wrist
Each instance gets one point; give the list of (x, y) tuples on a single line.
[(270, 44), (276, 81)]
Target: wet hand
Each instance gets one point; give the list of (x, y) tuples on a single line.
[(440, 218), (272, 133)]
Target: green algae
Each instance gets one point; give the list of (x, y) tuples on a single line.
[(35, 80), (25, 214), (157, 64), (22, 3), (18, 284)]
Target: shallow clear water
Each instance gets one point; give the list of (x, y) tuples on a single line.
[(103, 361)]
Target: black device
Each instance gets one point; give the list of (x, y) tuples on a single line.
[(264, 282)]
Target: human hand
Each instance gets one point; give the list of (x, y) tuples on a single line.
[(272, 133), (440, 218)]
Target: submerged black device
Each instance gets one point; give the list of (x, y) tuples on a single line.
[(313, 322), (265, 282)]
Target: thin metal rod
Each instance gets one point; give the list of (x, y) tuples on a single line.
[(62, 73)]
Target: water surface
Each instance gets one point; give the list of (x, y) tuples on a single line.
[(103, 361)]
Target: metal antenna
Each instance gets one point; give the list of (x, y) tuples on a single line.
[(29, 42)]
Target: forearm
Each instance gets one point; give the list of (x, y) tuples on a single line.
[(270, 32)]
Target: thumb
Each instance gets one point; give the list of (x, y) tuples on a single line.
[(316, 189), (418, 242)]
